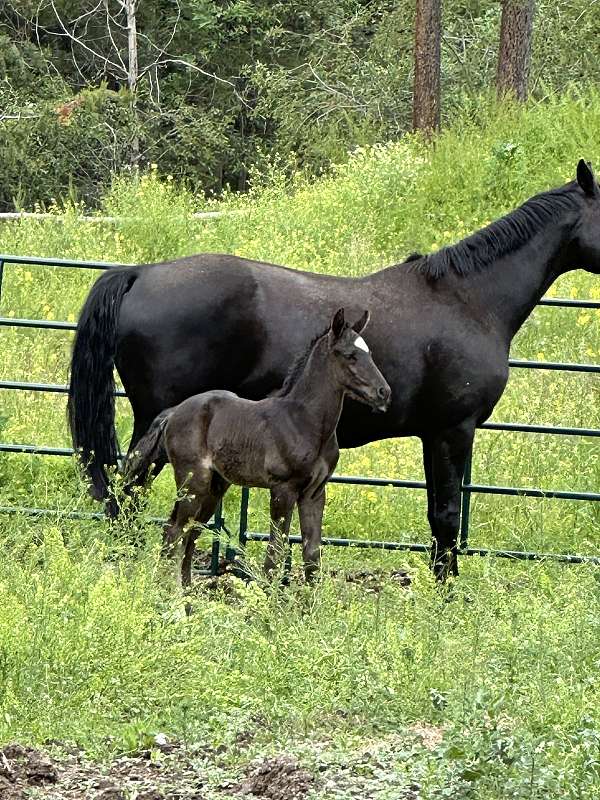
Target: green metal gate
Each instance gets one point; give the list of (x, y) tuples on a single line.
[(468, 489)]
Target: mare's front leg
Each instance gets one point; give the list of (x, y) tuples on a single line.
[(283, 500), (445, 457), (310, 511)]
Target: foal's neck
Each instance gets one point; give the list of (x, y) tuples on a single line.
[(318, 392)]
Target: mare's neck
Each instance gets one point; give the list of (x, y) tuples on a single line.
[(508, 290), (318, 393)]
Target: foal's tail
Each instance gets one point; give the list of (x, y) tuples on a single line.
[(149, 449), (91, 406)]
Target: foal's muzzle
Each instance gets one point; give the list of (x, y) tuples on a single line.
[(384, 398), (378, 399)]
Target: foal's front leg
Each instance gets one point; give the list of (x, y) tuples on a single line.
[(310, 510), (283, 500)]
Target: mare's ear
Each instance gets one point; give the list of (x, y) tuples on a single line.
[(362, 323), (338, 323), (586, 179)]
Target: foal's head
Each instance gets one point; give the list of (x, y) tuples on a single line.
[(352, 363)]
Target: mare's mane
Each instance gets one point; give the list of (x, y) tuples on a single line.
[(502, 237)]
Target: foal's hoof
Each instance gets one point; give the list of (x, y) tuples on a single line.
[(112, 508), (167, 550)]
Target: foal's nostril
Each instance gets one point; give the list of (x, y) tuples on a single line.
[(382, 392)]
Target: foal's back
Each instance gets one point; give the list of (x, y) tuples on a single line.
[(247, 442)]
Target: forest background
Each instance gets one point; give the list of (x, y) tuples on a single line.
[(220, 90)]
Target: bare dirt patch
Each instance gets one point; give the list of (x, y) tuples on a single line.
[(280, 778), (22, 768), (430, 735), (374, 580), (152, 775)]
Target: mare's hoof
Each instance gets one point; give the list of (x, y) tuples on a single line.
[(445, 567)]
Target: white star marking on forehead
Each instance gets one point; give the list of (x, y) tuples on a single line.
[(361, 344)]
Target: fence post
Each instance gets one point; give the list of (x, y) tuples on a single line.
[(1, 275), (243, 538), (216, 542), (466, 503), (239, 553)]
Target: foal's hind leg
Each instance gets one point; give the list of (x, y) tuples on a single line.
[(210, 502), (203, 492), (283, 500)]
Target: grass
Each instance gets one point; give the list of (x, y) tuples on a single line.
[(93, 645)]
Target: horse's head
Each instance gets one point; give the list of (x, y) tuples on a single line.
[(353, 364), (587, 232)]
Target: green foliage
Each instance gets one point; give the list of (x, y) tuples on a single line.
[(500, 671), (223, 83), (65, 149)]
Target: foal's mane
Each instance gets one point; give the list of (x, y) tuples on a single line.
[(502, 237), (298, 364)]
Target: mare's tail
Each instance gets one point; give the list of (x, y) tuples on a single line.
[(91, 406), (149, 449)]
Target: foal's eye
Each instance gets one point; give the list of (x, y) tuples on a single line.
[(351, 356)]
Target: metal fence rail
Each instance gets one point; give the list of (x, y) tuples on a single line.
[(468, 489)]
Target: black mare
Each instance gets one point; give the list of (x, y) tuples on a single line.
[(441, 329), (286, 443)]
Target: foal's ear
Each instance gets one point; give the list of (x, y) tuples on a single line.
[(338, 323), (362, 323), (586, 179)]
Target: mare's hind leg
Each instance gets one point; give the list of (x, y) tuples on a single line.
[(445, 457), (310, 511), (283, 500)]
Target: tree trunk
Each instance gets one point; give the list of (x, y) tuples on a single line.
[(132, 62), (426, 95), (132, 70), (514, 54)]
